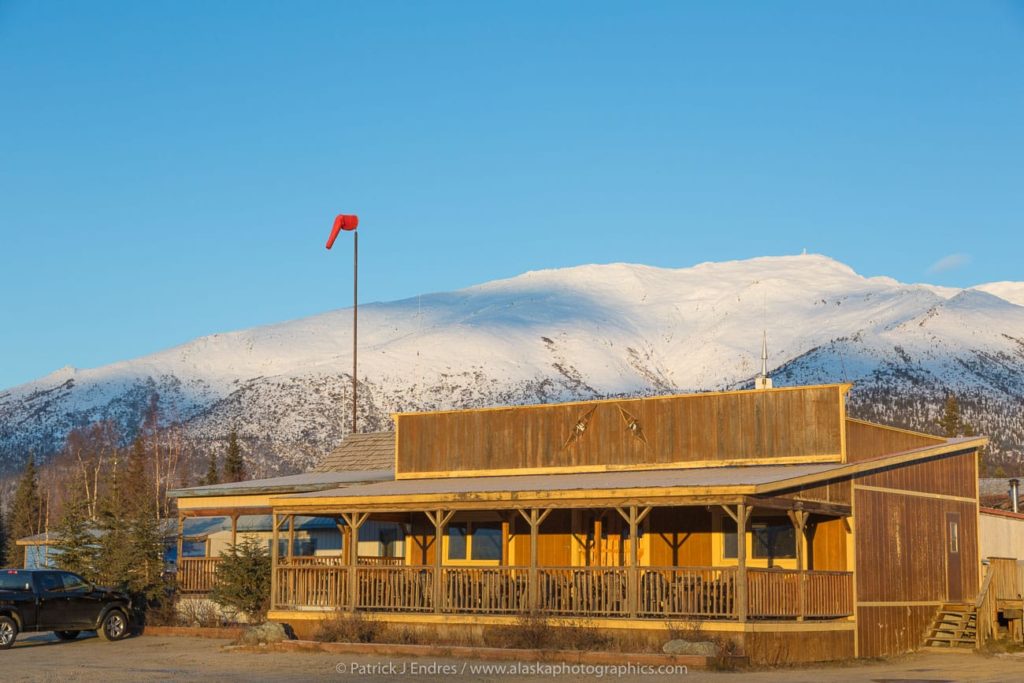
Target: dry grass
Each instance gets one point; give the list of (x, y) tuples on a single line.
[(349, 627), (537, 633), (199, 613)]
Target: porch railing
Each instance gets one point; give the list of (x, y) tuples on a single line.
[(597, 591), (197, 574), (486, 590), (395, 588), (662, 592), (339, 561), (783, 593), (708, 592), (311, 586)]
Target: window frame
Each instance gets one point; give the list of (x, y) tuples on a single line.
[(470, 526)]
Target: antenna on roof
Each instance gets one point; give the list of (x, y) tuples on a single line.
[(763, 381)]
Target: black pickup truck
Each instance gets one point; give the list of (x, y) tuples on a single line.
[(62, 602)]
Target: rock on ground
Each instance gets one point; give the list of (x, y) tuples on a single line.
[(702, 648)]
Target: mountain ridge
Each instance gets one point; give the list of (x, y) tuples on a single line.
[(559, 334)]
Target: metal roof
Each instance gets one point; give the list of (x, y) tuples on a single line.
[(296, 483), (370, 451), (661, 478)]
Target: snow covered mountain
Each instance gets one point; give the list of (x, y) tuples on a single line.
[(583, 332)]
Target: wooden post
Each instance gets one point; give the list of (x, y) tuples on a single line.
[(598, 560), (506, 534), (799, 520), (354, 520), (741, 516), (741, 559), (234, 530), (274, 580), (534, 517), (181, 545), (291, 538), (633, 517), (440, 519)]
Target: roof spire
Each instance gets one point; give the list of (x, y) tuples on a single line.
[(763, 381)]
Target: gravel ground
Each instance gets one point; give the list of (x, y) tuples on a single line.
[(40, 657)]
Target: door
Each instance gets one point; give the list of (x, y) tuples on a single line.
[(954, 570), (82, 603), (52, 601)]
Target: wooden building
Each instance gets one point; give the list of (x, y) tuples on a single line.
[(767, 515)]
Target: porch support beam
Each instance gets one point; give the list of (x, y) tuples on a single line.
[(813, 506), (633, 516), (440, 519), (534, 517), (291, 538), (353, 520), (234, 530), (741, 517), (274, 579), (799, 520), (181, 544)]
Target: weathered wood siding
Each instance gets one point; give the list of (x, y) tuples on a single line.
[(901, 539), (948, 476), (680, 537), (780, 648), (838, 492), (826, 544), (892, 630), (699, 428), (865, 440)]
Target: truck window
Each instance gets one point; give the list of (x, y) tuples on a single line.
[(74, 583), (15, 581), (50, 582)]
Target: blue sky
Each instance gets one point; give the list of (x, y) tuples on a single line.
[(171, 169)]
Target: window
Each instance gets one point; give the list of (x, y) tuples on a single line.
[(486, 543), (388, 539), (476, 541), (773, 540), (954, 537), (457, 541), (729, 538), (50, 582), (303, 547), (73, 583), (15, 581), (193, 548)]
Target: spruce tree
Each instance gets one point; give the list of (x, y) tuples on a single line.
[(243, 579), (76, 547), (27, 506), (212, 476), (950, 422), (234, 465), (130, 545)]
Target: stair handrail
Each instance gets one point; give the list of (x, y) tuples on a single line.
[(983, 609)]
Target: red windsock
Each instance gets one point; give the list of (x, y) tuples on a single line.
[(342, 222)]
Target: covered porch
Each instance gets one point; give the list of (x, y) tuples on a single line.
[(658, 557)]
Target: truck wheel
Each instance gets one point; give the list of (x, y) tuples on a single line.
[(66, 635), (114, 626), (8, 632)]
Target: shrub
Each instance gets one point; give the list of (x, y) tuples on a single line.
[(198, 613), (243, 580), (349, 627), (534, 632)]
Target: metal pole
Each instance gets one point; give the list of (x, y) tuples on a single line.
[(355, 319)]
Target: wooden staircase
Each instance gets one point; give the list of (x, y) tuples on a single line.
[(955, 627)]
